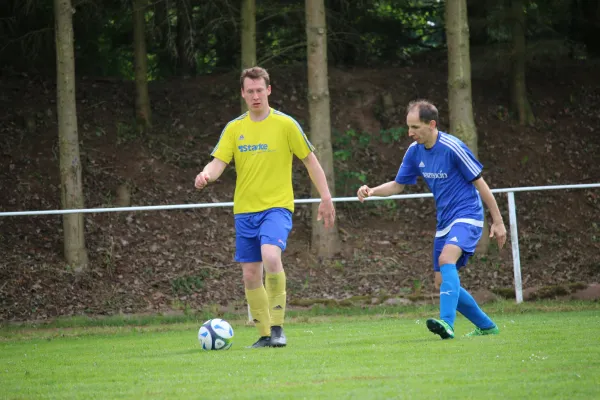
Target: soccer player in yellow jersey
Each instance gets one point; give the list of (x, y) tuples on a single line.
[(263, 142)]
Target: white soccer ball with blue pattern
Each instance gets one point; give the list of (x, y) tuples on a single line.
[(215, 334)]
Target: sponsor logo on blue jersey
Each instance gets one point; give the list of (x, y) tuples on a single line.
[(435, 175), (253, 147)]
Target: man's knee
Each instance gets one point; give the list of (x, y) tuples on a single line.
[(271, 256), (447, 259), (252, 275), (450, 255)]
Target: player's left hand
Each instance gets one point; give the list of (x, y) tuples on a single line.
[(499, 231), (326, 213)]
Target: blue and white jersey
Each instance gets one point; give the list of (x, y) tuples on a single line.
[(448, 168)]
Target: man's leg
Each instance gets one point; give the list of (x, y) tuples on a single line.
[(247, 252), (257, 298), (275, 283), (468, 307), (465, 239), (449, 292), (469, 236), (275, 228)]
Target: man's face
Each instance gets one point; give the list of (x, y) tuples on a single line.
[(419, 131), (256, 94)]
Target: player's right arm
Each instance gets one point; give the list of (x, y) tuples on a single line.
[(210, 173), (387, 189)]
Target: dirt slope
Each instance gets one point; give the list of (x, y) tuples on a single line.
[(156, 261)]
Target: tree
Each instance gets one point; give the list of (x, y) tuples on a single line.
[(519, 102), (248, 17), (68, 138), (142, 100), (325, 242), (460, 99)]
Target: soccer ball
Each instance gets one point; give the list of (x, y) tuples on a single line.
[(215, 334)]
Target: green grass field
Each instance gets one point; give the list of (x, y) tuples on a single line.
[(545, 350)]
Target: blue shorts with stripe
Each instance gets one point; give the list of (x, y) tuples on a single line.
[(465, 236), (252, 230)]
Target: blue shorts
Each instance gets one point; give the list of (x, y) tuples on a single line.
[(462, 235), (252, 230)]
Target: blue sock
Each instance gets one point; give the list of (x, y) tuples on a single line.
[(449, 291), (468, 307)]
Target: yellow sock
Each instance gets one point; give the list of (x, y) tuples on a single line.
[(259, 308), (275, 285)]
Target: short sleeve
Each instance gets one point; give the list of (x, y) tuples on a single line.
[(464, 159), (408, 171), (226, 144), (299, 143)]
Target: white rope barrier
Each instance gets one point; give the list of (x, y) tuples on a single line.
[(514, 234), (298, 201)]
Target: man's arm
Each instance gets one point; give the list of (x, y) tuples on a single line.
[(387, 189), (317, 176), (211, 172), (497, 229)]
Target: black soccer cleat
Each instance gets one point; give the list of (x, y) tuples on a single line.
[(278, 338), (263, 341)]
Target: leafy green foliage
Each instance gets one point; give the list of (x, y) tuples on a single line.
[(351, 144), (393, 135), (185, 285), (361, 32)]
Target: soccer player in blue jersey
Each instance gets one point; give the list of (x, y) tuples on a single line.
[(453, 175)]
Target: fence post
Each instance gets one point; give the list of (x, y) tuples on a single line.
[(514, 241)]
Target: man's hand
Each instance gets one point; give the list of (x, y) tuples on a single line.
[(499, 231), (326, 213), (363, 192), (202, 180)]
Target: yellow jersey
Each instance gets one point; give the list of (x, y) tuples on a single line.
[(263, 152)]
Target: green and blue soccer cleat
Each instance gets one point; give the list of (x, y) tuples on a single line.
[(440, 327), (482, 332)]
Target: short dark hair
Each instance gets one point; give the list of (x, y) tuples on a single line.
[(255, 73), (427, 111)]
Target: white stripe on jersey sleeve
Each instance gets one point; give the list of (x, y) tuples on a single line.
[(308, 143), (462, 154)]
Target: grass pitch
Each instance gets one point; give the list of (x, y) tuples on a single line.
[(546, 351)]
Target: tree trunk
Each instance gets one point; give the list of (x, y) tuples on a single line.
[(248, 17), (460, 100), (519, 102), (185, 39), (68, 138), (142, 100), (325, 242)]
